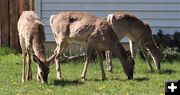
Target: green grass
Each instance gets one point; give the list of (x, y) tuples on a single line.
[(144, 83)]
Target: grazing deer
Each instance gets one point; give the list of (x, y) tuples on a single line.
[(82, 28), (32, 38), (138, 32)]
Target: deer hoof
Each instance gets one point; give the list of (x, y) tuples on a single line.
[(110, 70), (83, 79), (151, 71), (59, 78), (29, 78), (104, 78), (23, 80), (130, 78)]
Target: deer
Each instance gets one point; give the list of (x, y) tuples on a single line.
[(82, 28), (139, 34), (32, 38)]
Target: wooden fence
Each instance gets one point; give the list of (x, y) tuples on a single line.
[(10, 11)]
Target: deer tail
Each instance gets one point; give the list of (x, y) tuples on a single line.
[(109, 18)]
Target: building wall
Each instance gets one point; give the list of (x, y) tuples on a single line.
[(160, 14)]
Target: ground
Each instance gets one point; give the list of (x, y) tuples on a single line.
[(144, 82)]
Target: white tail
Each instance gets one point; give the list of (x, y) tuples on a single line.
[(109, 18), (51, 19)]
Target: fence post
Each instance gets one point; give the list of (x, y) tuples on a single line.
[(26, 5), (0, 27), (31, 5), (10, 10), (4, 16), (13, 11), (0, 23)]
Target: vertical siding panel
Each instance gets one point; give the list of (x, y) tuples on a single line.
[(153, 12), (160, 14), (38, 4), (4, 22)]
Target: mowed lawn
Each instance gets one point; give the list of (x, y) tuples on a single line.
[(144, 82)]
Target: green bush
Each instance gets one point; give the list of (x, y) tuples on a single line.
[(168, 44), (7, 50), (176, 39), (171, 54), (164, 40)]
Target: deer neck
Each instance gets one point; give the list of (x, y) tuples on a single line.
[(38, 48), (122, 50)]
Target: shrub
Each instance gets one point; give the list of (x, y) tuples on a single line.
[(6, 51), (168, 44), (171, 53), (176, 39), (163, 40)]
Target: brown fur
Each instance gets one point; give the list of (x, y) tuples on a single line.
[(138, 32), (82, 28), (32, 38)]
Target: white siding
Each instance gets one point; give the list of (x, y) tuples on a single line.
[(160, 14)]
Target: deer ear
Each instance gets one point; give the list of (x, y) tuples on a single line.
[(36, 60)]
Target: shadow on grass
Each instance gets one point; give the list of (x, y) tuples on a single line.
[(167, 71), (141, 79), (97, 80), (66, 82), (135, 79), (109, 79)]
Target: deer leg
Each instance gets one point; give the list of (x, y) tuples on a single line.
[(58, 68), (99, 55), (144, 51), (59, 50), (106, 54), (37, 76), (155, 54), (50, 60), (24, 54), (29, 71), (88, 57), (132, 46), (24, 67), (109, 61)]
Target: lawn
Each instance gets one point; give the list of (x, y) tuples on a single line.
[(144, 82)]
